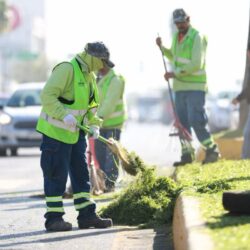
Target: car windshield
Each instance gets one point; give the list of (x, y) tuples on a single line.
[(3, 101), (24, 98)]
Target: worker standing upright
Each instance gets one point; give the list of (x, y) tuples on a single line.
[(70, 96), (187, 55), (113, 111)]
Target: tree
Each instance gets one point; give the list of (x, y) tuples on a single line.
[(4, 21), (244, 107)]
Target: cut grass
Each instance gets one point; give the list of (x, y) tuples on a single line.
[(147, 201), (207, 183)]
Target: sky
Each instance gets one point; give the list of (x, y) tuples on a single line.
[(129, 28)]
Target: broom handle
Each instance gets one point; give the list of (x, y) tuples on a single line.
[(184, 131), (87, 130), (169, 88)]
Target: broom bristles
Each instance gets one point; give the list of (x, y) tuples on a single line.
[(127, 163)]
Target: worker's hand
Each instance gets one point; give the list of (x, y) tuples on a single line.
[(70, 120), (95, 131), (169, 75), (235, 101), (158, 41)]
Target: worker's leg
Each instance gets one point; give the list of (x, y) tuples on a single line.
[(107, 160), (54, 163), (181, 103), (79, 176), (187, 154), (246, 143), (198, 120)]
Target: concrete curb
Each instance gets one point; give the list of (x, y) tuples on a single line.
[(188, 225)]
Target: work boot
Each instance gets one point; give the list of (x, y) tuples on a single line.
[(94, 221), (212, 155), (185, 159), (58, 226)]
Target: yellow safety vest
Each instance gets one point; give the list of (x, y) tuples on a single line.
[(55, 128)]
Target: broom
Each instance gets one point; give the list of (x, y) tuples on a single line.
[(129, 162), (184, 136)]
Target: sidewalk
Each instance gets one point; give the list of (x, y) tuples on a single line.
[(22, 227)]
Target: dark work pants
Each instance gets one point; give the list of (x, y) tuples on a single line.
[(190, 109), (105, 157), (58, 160)]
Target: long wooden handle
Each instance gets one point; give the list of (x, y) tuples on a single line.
[(87, 130)]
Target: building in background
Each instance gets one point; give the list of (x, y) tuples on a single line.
[(22, 45)]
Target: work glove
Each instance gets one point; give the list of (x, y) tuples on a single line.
[(94, 131), (69, 120)]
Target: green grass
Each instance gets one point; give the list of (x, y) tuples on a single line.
[(207, 184), (228, 134), (148, 200)]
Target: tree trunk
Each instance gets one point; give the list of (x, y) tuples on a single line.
[(244, 107)]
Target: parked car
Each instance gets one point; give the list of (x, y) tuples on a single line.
[(18, 119), (3, 99), (222, 114)]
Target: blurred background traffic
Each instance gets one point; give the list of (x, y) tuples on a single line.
[(37, 34)]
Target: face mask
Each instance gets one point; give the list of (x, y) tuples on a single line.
[(93, 63)]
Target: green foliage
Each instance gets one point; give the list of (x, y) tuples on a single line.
[(214, 186), (136, 164), (147, 200), (3, 17), (215, 177)]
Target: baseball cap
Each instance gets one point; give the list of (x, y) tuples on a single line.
[(99, 50), (179, 15)]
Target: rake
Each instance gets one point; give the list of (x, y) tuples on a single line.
[(184, 136)]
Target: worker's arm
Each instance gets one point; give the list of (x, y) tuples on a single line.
[(168, 53), (197, 58), (114, 93), (93, 119), (244, 94), (57, 85)]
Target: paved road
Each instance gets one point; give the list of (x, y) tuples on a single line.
[(150, 141), (21, 214)]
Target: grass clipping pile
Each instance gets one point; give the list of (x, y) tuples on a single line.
[(148, 200)]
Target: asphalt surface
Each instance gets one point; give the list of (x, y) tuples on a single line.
[(22, 228), (22, 210)]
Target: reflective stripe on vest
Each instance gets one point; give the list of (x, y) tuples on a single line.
[(61, 124), (186, 61), (57, 123)]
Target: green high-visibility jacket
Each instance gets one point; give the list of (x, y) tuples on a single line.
[(188, 60), (85, 100), (112, 102)]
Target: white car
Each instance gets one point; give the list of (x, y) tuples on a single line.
[(222, 114), (18, 119)]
